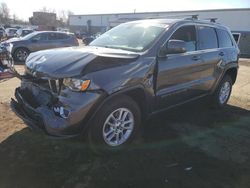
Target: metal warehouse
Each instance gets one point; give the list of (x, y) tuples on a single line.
[(236, 19)]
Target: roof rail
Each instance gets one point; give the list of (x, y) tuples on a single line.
[(213, 20), (192, 17), (186, 16)]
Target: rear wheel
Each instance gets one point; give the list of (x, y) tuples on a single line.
[(223, 92), (116, 124), (21, 54)]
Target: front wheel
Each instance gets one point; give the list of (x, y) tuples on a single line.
[(21, 54), (223, 92), (116, 124)]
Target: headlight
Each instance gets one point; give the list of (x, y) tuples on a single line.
[(9, 47), (76, 84)]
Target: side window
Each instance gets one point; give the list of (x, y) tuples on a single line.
[(188, 35), (61, 36), (207, 38), (224, 39), (52, 36), (40, 37)]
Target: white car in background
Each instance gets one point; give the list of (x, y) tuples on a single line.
[(10, 32)]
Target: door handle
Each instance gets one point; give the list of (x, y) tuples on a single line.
[(196, 58), (221, 54)]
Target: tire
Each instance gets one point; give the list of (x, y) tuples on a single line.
[(102, 135), (21, 54), (223, 92)]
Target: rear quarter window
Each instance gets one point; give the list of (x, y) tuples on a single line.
[(61, 36), (207, 38), (225, 40)]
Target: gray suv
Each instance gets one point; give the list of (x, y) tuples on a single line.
[(129, 73), (41, 40)]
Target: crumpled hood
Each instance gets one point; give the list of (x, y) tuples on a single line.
[(69, 62)]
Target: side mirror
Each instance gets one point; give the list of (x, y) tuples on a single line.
[(173, 47)]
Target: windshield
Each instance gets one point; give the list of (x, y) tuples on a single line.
[(29, 36), (135, 37)]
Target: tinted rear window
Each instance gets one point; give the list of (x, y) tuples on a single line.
[(62, 36), (207, 38), (224, 39)]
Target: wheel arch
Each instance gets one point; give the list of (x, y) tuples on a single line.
[(17, 48), (20, 47), (137, 94), (232, 72)]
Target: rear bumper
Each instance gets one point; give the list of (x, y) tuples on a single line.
[(44, 118)]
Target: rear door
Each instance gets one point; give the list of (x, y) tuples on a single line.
[(64, 40), (226, 46), (53, 40), (39, 42), (180, 75), (58, 40), (212, 56)]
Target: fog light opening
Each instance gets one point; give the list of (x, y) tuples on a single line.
[(64, 113)]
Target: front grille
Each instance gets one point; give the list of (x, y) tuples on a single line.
[(55, 85)]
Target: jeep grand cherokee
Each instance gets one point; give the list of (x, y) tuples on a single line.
[(134, 70)]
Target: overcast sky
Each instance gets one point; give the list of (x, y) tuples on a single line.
[(24, 8)]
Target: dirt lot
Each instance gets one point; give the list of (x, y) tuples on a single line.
[(190, 147)]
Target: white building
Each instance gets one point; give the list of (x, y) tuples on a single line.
[(235, 19)]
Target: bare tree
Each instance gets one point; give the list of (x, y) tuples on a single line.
[(48, 10), (4, 13), (15, 18), (63, 16), (69, 14)]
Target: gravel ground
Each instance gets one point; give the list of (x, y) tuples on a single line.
[(193, 146)]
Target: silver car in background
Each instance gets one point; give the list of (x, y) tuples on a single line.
[(37, 41), (10, 32)]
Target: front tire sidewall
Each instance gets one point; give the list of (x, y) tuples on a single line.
[(217, 101), (95, 133), (16, 52)]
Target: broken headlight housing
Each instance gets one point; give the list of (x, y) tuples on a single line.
[(75, 84)]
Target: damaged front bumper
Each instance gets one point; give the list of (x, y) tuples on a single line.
[(50, 116)]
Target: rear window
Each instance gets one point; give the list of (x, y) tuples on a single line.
[(61, 36), (207, 38), (224, 39)]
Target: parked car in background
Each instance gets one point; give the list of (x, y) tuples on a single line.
[(36, 41), (10, 32), (5, 72), (23, 32), (2, 33), (129, 73), (86, 39), (242, 38)]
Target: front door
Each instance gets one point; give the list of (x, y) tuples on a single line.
[(179, 75)]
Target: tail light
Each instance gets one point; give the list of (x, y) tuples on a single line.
[(76, 41)]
